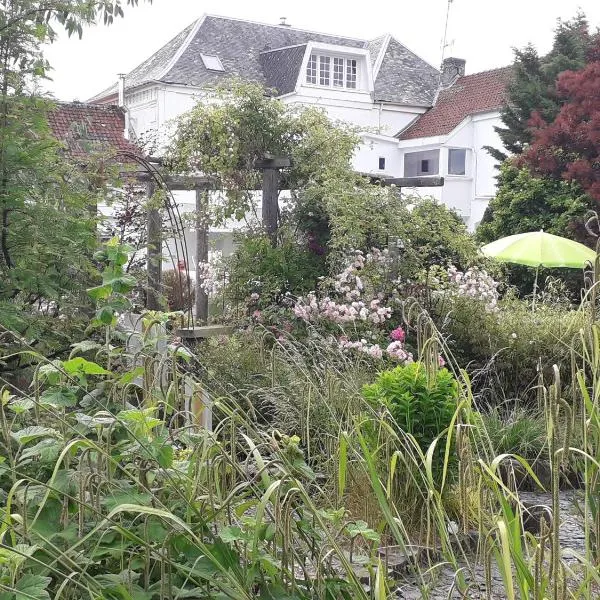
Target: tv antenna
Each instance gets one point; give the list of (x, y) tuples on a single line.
[(445, 42)]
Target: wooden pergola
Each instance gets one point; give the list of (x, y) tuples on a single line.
[(271, 167)]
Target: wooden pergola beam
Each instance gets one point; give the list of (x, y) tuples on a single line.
[(410, 182), (179, 182)]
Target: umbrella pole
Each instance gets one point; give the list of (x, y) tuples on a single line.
[(535, 286)]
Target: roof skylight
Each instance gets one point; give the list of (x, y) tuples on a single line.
[(212, 63)]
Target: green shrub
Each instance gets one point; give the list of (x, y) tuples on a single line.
[(256, 268), (502, 349), (419, 405)]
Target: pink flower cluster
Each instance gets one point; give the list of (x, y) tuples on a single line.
[(379, 258), (397, 351), (373, 350), (474, 283), (398, 334), (311, 309), (394, 351), (349, 285), (212, 275)]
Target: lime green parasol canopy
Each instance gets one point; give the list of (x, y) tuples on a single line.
[(540, 249)]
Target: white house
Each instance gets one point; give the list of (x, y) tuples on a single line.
[(417, 120), (451, 139)]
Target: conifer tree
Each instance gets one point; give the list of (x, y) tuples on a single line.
[(534, 83)]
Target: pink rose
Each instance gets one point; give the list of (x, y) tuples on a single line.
[(398, 335)]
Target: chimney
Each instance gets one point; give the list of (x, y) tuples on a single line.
[(122, 104), (283, 22), (121, 90), (452, 69)]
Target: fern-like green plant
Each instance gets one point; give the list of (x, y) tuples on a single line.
[(421, 405)]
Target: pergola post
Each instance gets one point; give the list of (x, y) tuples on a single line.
[(201, 253), (270, 203), (270, 193), (154, 252)]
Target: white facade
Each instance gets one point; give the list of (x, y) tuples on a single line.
[(468, 192), (154, 106)]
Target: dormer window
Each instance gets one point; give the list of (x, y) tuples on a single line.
[(212, 63), (324, 70), (332, 71)]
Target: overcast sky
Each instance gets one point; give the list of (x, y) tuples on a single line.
[(481, 31)]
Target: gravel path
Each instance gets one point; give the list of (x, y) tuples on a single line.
[(439, 583)]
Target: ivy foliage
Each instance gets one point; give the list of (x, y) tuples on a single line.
[(237, 125)]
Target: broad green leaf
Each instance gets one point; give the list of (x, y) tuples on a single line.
[(59, 398), (50, 372), (162, 452), (106, 315), (21, 405), (46, 451), (33, 432), (81, 365), (131, 376), (121, 497), (5, 398), (101, 292), (100, 419), (360, 528), (184, 353), (140, 417), (234, 534), (32, 587), (122, 284), (83, 347), (16, 556), (180, 594)]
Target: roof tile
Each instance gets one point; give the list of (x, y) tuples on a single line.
[(471, 94), (87, 129)]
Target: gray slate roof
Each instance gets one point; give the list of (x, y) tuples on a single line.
[(281, 67), (271, 55), (404, 78)]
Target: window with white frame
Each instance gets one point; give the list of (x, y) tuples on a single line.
[(332, 71), (311, 69), (211, 62), (338, 71), (457, 161), (324, 70), (351, 72), (424, 163)]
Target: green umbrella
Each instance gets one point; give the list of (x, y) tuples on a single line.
[(539, 249)]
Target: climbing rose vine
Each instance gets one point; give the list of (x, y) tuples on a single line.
[(356, 299), (213, 275), (474, 283)]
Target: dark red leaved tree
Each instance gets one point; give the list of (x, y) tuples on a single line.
[(569, 147)]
